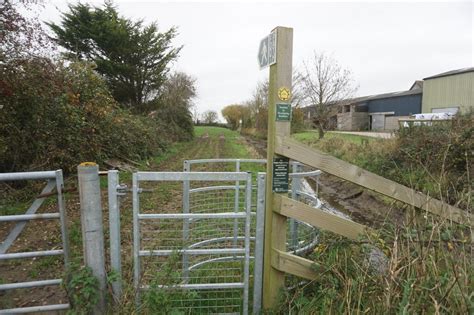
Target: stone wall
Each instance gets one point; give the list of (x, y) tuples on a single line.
[(353, 121), (391, 122)]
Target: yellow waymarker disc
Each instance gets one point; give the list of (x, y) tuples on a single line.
[(284, 93)]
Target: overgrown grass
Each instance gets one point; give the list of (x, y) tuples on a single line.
[(427, 265), (427, 269), (312, 137)]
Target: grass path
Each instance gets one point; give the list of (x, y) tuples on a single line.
[(209, 142)]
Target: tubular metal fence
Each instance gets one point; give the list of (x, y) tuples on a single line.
[(54, 181)]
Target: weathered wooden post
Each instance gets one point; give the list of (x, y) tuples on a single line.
[(92, 228), (279, 57)]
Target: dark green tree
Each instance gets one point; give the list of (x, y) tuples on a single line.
[(133, 57)]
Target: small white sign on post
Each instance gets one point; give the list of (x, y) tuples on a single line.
[(267, 51)]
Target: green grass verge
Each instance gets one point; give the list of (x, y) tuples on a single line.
[(312, 136)]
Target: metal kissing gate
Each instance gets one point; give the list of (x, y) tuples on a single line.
[(201, 252), (206, 254)]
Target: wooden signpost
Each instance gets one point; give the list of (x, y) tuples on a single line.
[(278, 125), (280, 148)]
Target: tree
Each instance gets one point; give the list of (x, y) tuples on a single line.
[(233, 114), (133, 57), (173, 106), (195, 114), (209, 117), (325, 82), (258, 104), (22, 37)]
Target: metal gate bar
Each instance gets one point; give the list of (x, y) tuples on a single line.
[(259, 242), (55, 180), (12, 236)]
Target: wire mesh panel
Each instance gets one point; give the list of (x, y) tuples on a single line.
[(193, 259), (301, 237)]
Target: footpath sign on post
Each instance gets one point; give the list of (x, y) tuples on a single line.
[(283, 112), (276, 51), (280, 174), (267, 50)]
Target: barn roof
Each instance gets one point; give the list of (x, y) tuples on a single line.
[(392, 94), (452, 72), (363, 99)]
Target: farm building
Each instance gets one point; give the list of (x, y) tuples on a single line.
[(374, 112), (384, 110), (449, 91)]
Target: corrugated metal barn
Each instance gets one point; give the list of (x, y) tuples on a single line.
[(449, 91), (385, 110), (380, 112), (445, 92)]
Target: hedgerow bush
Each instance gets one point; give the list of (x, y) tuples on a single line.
[(56, 115), (297, 120), (436, 160), (441, 157), (177, 119)]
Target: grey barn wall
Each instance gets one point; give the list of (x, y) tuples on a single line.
[(401, 105)]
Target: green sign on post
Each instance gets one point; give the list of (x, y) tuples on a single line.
[(283, 112), (281, 167)]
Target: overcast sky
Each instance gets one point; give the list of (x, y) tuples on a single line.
[(386, 45)]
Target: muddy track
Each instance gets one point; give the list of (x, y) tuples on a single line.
[(362, 205)]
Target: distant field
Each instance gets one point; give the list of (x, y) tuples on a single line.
[(214, 131)]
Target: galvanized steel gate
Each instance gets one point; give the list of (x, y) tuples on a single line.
[(54, 181), (198, 257), (301, 236)]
